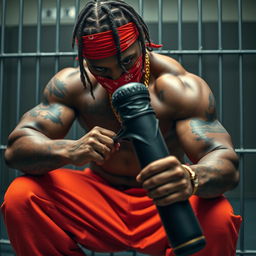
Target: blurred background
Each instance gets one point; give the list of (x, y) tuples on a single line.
[(215, 39)]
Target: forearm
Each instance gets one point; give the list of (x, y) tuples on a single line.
[(37, 155), (217, 173)]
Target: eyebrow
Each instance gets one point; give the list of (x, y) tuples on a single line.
[(122, 59)]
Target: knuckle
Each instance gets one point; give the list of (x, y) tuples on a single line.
[(151, 167), (152, 182), (88, 150), (180, 173), (91, 141), (173, 159), (145, 185), (166, 190), (106, 149), (94, 133), (184, 183), (157, 192), (164, 201)]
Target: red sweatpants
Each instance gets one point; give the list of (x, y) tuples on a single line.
[(49, 215)]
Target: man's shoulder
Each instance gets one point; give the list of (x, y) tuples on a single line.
[(183, 92), (64, 86), (162, 64), (69, 76)]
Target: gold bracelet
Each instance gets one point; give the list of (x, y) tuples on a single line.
[(193, 177)]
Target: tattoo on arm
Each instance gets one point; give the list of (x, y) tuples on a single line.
[(202, 127), (57, 88), (74, 73), (160, 95), (210, 114), (48, 112), (211, 125)]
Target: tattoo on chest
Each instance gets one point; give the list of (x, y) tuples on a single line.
[(57, 88), (48, 112)]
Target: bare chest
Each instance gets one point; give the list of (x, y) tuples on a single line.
[(99, 112), (123, 166)]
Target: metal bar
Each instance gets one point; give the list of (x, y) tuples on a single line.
[(180, 29), (160, 21), (57, 38), (246, 252), (3, 20), (19, 64), (5, 241), (35, 54), (38, 48), (200, 47), (75, 125), (175, 52), (2, 45), (19, 61), (207, 52), (77, 8), (246, 150), (220, 60), (241, 119), (141, 8)]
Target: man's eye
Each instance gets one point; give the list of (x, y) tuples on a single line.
[(127, 61), (99, 69)]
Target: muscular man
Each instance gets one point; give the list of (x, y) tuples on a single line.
[(110, 206)]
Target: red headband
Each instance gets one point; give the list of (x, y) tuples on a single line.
[(102, 45)]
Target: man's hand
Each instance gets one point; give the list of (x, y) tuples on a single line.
[(166, 180), (97, 145)]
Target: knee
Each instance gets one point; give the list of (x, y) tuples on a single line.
[(217, 218), (19, 193)]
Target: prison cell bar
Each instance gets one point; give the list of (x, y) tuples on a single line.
[(38, 49), (3, 12), (241, 121), (199, 35), (220, 60), (180, 30)]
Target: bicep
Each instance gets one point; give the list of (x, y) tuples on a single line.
[(198, 137), (52, 120)]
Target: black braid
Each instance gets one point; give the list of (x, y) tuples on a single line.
[(140, 29), (115, 34), (102, 15), (77, 34)]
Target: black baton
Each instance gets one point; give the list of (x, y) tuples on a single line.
[(141, 127)]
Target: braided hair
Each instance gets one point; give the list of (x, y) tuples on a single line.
[(103, 15)]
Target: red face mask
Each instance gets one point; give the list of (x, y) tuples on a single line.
[(134, 74)]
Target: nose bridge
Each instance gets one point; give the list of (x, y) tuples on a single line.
[(116, 72)]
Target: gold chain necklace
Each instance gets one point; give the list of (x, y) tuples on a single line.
[(146, 83)]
